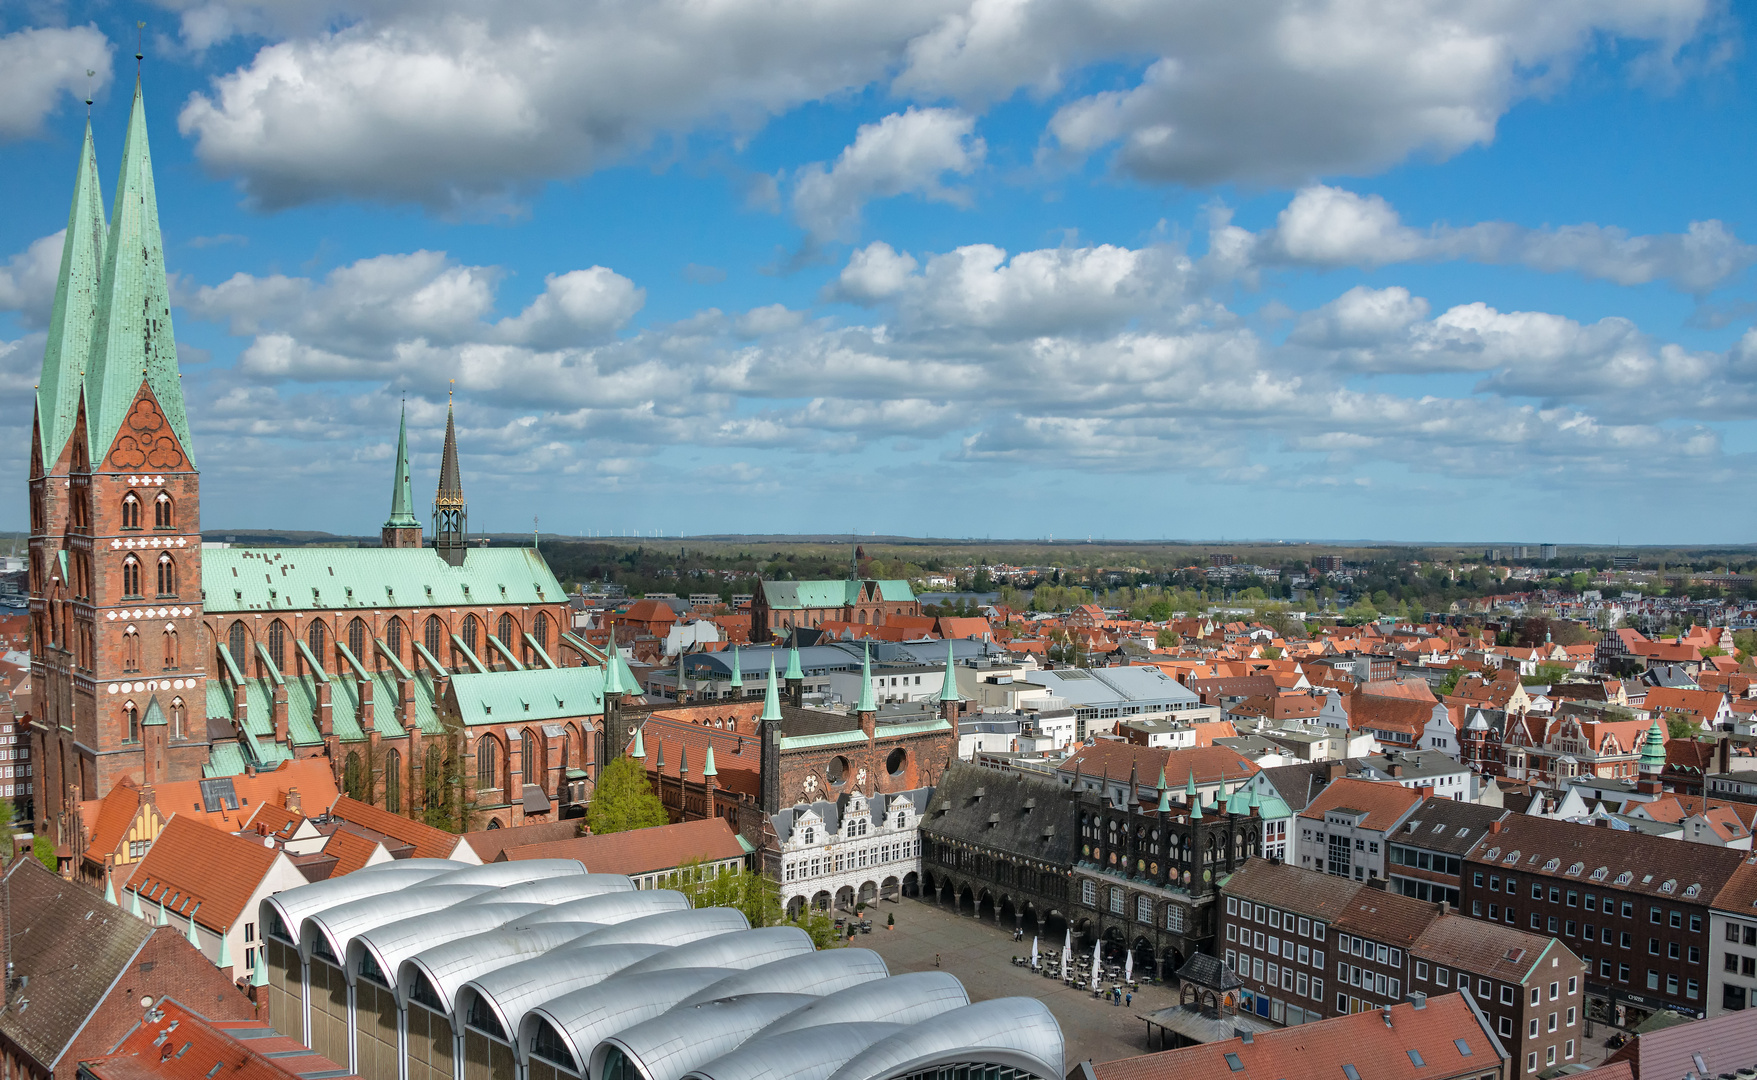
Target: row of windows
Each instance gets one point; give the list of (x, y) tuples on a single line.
[(1401, 855), (876, 855), (1554, 924), (1691, 986), (1549, 1056), (131, 647), (167, 576), (435, 637), (162, 515), (1274, 918), (1275, 975), (1284, 948), (1590, 902), (1118, 902)]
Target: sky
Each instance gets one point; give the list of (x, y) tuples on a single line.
[(1325, 269)]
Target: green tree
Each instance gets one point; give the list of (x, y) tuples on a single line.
[(1166, 639), (1678, 726), (757, 896), (624, 799), (44, 849), (1358, 613), (8, 813), (1450, 683), (1546, 675)]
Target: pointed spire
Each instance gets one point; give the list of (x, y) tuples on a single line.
[(164, 916), (639, 749), (194, 938), (1164, 796), (134, 903), (450, 517), (613, 668), (708, 766), (110, 892), (683, 761), (949, 691), (224, 963), (793, 671), (76, 306), (132, 337), (259, 973), (1161, 778), (1190, 788), (1196, 810), (1653, 749), (402, 502), (865, 704), (737, 673), (771, 698), (659, 759)]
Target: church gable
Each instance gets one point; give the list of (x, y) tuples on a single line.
[(145, 440)]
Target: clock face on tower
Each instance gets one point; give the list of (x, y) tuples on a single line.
[(810, 786)]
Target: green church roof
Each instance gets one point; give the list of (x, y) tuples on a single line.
[(237, 580)]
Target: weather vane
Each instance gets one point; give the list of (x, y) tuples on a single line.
[(139, 45), (88, 92)]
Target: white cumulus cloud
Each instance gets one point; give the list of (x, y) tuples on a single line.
[(40, 64), (907, 153)]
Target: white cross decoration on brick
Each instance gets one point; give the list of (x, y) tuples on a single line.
[(159, 480), (112, 616), (114, 544), (182, 540)]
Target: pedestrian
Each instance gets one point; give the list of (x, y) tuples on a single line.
[(1129, 999), (936, 959)]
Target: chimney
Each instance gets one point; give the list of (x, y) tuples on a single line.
[(1338, 769), (324, 727), (1386, 1013), (1494, 827)]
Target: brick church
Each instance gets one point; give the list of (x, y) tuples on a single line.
[(440, 680)]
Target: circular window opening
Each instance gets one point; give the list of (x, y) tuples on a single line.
[(894, 764), (838, 771)]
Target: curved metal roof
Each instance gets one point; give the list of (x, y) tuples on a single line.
[(512, 872), (295, 905), (514, 990), (610, 908), (899, 999), (448, 966), (666, 1047), (391, 943), (673, 927), (806, 1054), (336, 926), (561, 889), (584, 1018), (730, 947), (1017, 1031), (815, 973)]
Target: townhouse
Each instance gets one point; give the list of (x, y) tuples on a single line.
[(1425, 857), (1344, 830)]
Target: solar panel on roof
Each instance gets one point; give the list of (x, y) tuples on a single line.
[(218, 793)]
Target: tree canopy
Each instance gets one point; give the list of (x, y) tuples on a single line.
[(624, 799)]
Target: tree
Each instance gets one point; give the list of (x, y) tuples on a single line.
[(1450, 683), (1679, 726), (624, 799), (44, 849), (1546, 675), (1166, 639), (7, 813), (757, 896)]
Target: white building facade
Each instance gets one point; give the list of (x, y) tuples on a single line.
[(851, 851)]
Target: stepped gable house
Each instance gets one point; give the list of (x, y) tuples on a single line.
[(432, 677)]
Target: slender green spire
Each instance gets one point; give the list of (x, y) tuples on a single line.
[(793, 671), (737, 673), (949, 691), (1164, 795), (193, 938), (771, 697), (1196, 810), (164, 916), (76, 307), (132, 338), (1190, 788), (865, 704), (402, 499), (224, 963), (639, 749), (259, 973), (110, 893), (134, 903), (708, 766), (613, 668), (1161, 778)]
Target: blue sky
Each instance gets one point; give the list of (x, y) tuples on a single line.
[(1377, 269)]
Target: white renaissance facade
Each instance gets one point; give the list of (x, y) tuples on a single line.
[(851, 851)]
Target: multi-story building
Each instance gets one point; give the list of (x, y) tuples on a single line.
[(1425, 857), (850, 850), (779, 607), (1309, 946), (1344, 831), (1102, 697), (16, 782), (1636, 908), (1732, 932)]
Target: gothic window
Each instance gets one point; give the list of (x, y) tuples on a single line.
[(506, 630), (434, 632), (170, 646), (528, 758), (130, 511), (566, 750), (130, 722), (235, 643), (354, 783), (314, 637), (357, 637), (433, 779), (393, 637), (162, 511), (177, 718), (167, 576), (393, 782), (277, 645), (543, 630), (487, 764), (131, 576), (470, 632), (130, 649)]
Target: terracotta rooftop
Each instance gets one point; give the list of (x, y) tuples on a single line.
[(489, 843), (172, 1043), (1208, 764), (641, 851), (194, 869), (350, 849), (427, 841), (1383, 803), (1486, 948)]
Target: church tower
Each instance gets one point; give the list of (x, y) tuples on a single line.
[(401, 529), (450, 519), (130, 562)]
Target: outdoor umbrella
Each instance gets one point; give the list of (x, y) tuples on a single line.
[(1129, 967), (1095, 964), (1034, 952)]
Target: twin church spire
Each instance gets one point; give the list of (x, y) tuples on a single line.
[(450, 515)]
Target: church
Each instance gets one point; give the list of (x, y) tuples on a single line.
[(439, 680)]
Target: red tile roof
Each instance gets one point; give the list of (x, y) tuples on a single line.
[(428, 842), (115, 813), (1379, 1044), (641, 851), (350, 849), (1208, 764), (196, 869), (1385, 804), (173, 1043)]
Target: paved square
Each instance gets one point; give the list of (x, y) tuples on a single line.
[(980, 954)]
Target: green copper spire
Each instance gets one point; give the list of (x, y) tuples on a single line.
[(76, 307), (793, 671), (737, 673), (771, 697), (110, 892), (613, 668), (164, 916), (134, 903), (1161, 778), (1164, 795), (708, 766), (194, 939), (132, 339), (1190, 788), (639, 749), (949, 691), (1196, 810), (224, 963), (865, 704), (402, 500), (259, 974), (1653, 750)]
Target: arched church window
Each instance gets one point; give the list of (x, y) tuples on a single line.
[(131, 576), (507, 631), (487, 764), (434, 633), (357, 637), (167, 576), (528, 758), (130, 722), (393, 637), (162, 511), (393, 782), (130, 511), (470, 632), (277, 645), (170, 646), (316, 637), (131, 649), (543, 630), (177, 718), (235, 642)]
